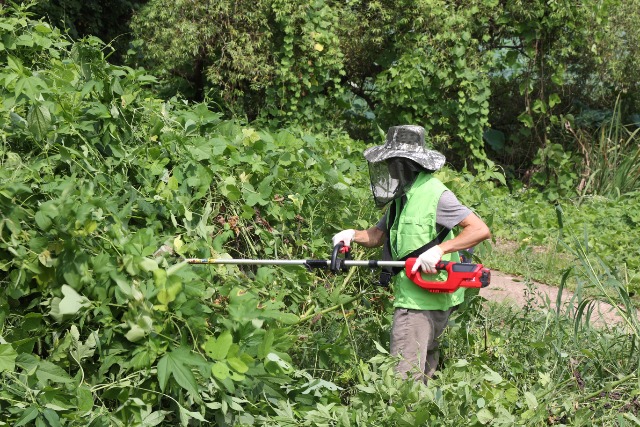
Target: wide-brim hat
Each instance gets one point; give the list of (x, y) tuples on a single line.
[(406, 141)]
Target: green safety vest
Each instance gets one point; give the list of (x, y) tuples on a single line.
[(413, 228)]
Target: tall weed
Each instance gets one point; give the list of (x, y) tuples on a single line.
[(612, 162), (611, 285)]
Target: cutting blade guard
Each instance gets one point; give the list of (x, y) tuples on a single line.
[(459, 275)]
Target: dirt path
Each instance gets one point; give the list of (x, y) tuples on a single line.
[(512, 289)]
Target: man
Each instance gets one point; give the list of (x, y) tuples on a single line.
[(418, 223)]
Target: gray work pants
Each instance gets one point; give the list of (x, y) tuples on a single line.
[(414, 337)]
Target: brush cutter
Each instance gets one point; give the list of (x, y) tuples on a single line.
[(458, 274)]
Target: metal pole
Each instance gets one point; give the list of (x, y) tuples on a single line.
[(305, 262)]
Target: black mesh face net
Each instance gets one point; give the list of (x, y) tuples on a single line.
[(391, 178)]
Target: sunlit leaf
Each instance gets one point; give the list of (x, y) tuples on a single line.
[(484, 416), (237, 365), (220, 370), (7, 358), (69, 305), (217, 348)]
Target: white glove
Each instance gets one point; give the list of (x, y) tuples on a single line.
[(428, 260), (345, 236)]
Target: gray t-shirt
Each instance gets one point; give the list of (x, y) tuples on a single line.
[(450, 212)]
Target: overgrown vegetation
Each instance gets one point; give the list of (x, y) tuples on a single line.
[(607, 228), (532, 80), (97, 328), (522, 69)]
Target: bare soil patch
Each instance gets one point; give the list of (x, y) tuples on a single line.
[(514, 290)]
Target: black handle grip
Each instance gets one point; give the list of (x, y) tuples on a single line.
[(456, 267), (337, 263)]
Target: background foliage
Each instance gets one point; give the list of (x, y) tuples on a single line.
[(513, 75), (105, 19), (523, 69), (98, 171)]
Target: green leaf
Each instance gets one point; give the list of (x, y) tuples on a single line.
[(42, 28), (217, 349), (98, 110), (492, 376), (632, 417), (30, 86), (319, 384), (84, 399), (52, 417), (153, 419), (69, 305), (286, 318), (218, 146), (539, 106), (265, 346), (45, 258), (27, 416), (15, 64), (172, 364), (275, 360), (7, 358), (43, 221), (495, 139), (28, 363), (148, 264), (532, 401), (237, 365), (82, 350), (526, 119), (253, 198), (186, 415), (47, 371), (380, 348), (169, 294), (265, 188), (285, 159), (511, 395), (220, 370), (139, 329), (229, 189), (559, 216), (202, 152), (136, 333), (459, 51), (49, 209), (39, 121), (484, 416)]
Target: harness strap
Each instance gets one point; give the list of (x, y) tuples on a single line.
[(387, 273)]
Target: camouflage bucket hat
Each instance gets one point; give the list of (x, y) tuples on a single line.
[(406, 141)]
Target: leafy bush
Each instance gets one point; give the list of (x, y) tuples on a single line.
[(289, 63), (97, 174), (100, 328), (278, 59)]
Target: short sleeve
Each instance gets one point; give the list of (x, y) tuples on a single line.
[(450, 211)]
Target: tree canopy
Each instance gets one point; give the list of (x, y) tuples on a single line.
[(485, 77)]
